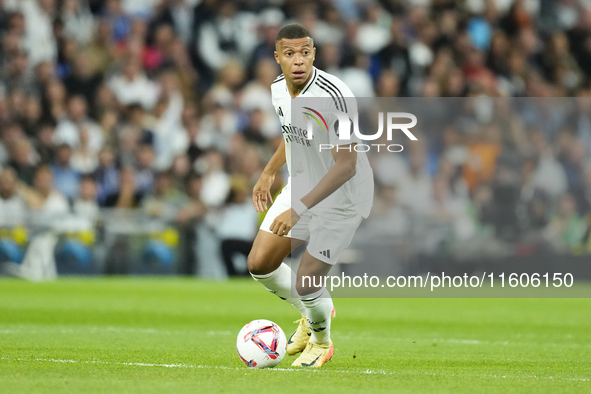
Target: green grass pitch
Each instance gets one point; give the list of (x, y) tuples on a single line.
[(171, 335)]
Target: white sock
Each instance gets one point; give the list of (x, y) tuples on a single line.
[(318, 310), (281, 282)]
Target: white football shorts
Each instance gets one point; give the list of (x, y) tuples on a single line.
[(328, 230)]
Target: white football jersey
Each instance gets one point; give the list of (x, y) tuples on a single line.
[(308, 160)]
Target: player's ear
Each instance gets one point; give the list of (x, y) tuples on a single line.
[(276, 57), (314, 53)]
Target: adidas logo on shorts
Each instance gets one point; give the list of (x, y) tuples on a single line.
[(326, 253)]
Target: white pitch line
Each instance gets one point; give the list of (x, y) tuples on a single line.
[(17, 329), (308, 370), (35, 329), (62, 361), (44, 329)]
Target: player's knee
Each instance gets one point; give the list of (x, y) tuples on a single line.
[(256, 264)]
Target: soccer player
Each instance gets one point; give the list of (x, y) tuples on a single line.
[(333, 195)]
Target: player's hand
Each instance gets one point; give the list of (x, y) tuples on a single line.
[(261, 193), (284, 222)]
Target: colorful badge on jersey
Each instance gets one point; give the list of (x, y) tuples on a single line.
[(308, 115)]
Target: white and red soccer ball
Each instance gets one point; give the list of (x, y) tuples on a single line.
[(261, 344)]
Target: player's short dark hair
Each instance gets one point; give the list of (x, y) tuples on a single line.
[(292, 31)]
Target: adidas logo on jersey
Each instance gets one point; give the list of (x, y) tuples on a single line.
[(279, 112), (326, 253)]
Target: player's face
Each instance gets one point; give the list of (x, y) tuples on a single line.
[(295, 56)]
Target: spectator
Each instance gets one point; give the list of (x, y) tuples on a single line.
[(216, 183), (13, 211), (253, 132), (373, 34), (83, 80), (44, 142), (170, 90), (573, 161), (231, 35), (84, 160), (32, 116), (387, 84), (388, 216), (416, 188), (100, 49), (106, 175), (533, 199), (237, 225), (329, 58), (86, 205), (583, 193), (65, 178), (194, 208), (119, 22), (48, 204), (257, 96), (481, 156), (22, 160), (39, 40), (186, 74), (169, 137), (166, 200), (132, 85), (78, 21), (270, 23), (323, 33), (395, 56), (560, 66), (139, 8), (138, 128), (69, 128), (179, 15), (160, 51), (356, 76), (109, 124), (195, 148), (566, 228), (13, 217), (54, 100), (126, 195), (17, 75), (549, 174), (144, 174)]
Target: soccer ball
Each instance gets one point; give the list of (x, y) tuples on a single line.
[(261, 344)]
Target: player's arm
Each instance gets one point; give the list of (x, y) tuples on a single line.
[(343, 170), (261, 193)]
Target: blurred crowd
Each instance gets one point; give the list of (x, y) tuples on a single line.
[(507, 173), (165, 105)]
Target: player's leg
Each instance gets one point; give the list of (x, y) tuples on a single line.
[(265, 260), (330, 233), (315, 297), (265, 263), (319, 308)]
